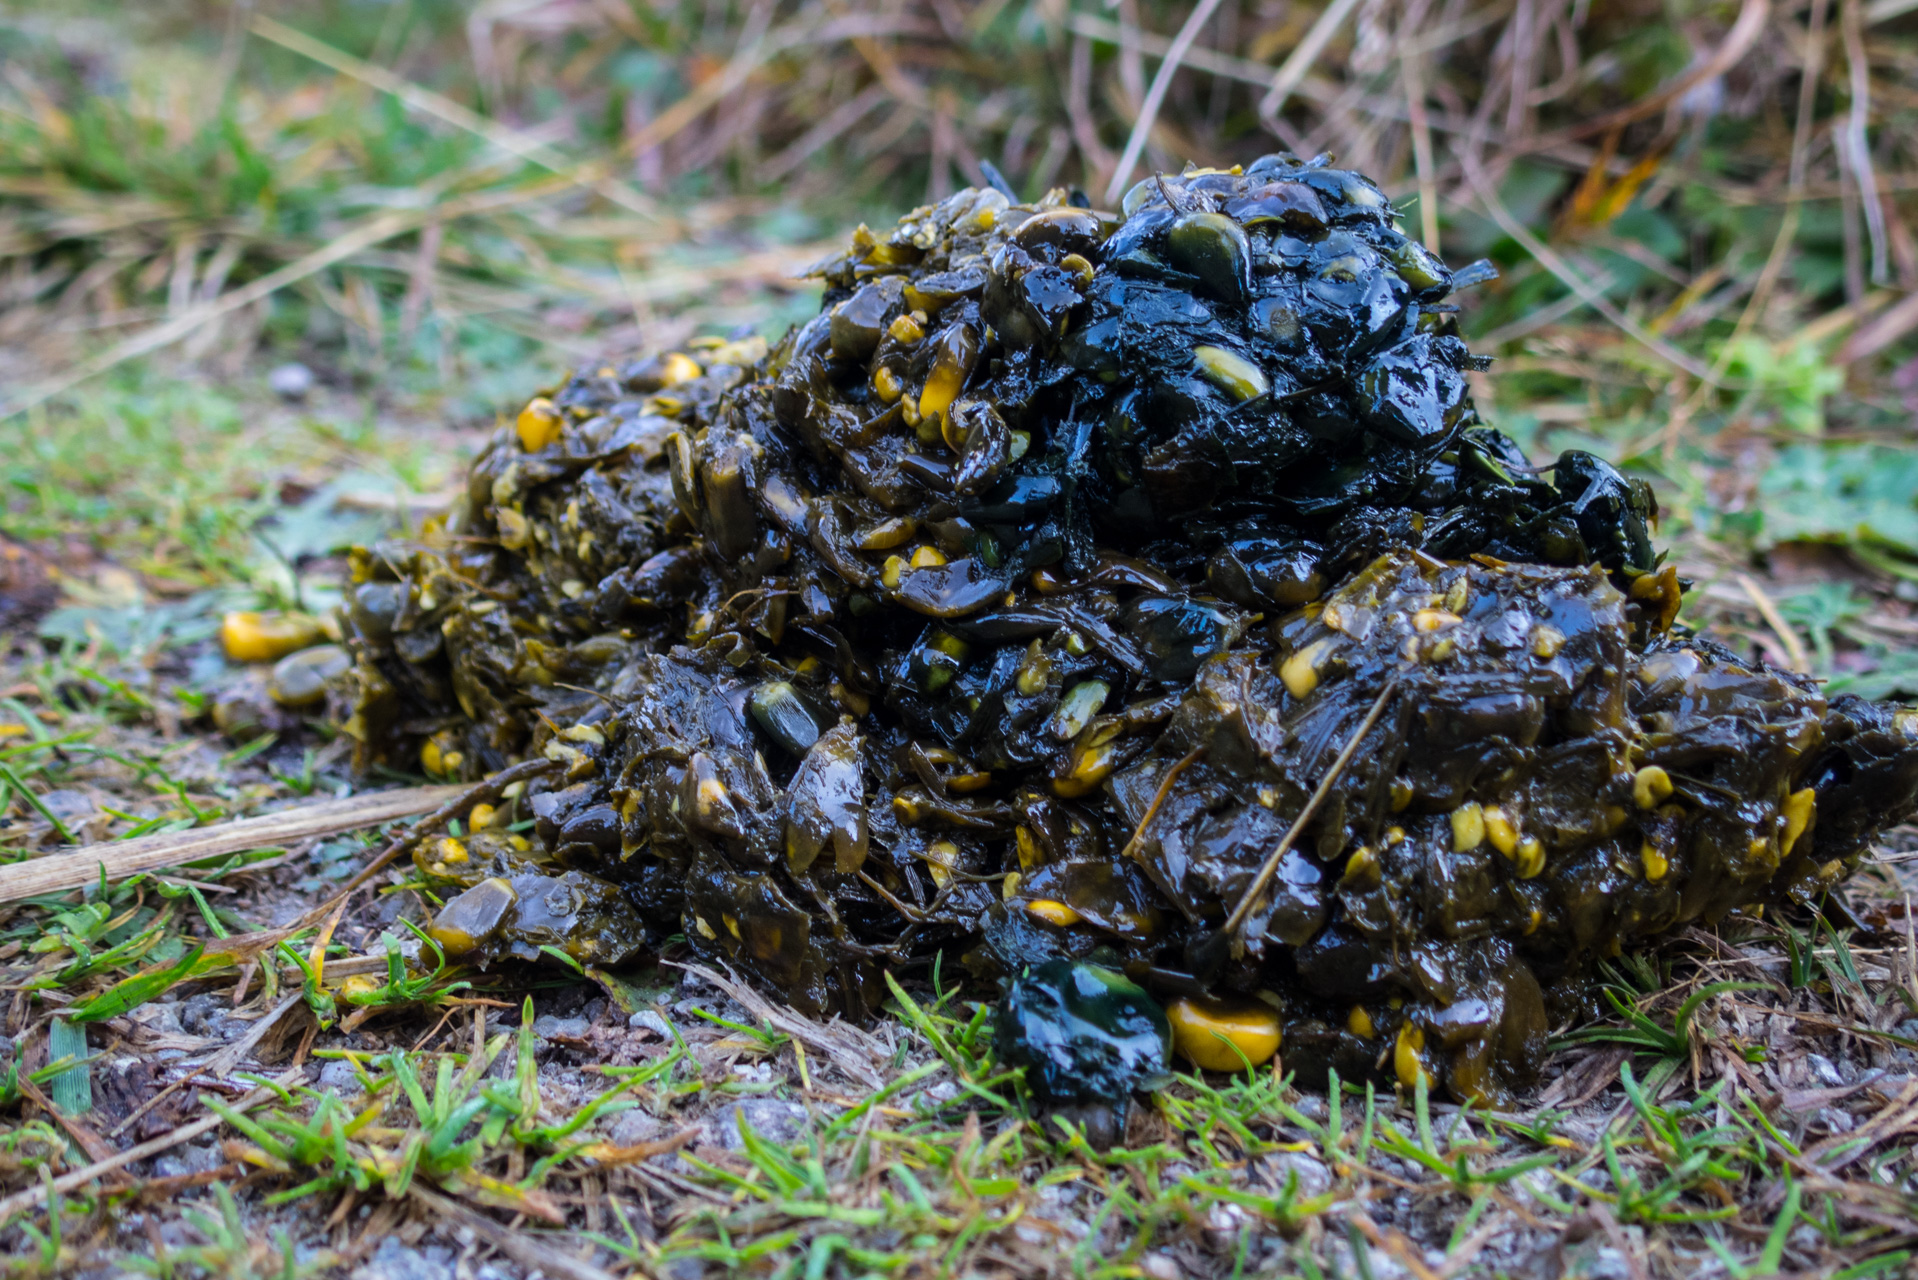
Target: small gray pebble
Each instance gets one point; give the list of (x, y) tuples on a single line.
[(652, 1021), (547, 1026), (291, 381), (397, 1260)]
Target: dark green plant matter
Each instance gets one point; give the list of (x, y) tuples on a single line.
[(1082, 1032), (1135, 588)]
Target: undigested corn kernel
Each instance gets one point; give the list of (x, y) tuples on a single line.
[(1529, 857), (1408, 1057), (539, 424), (1055, 913), (1468, 827), (1500, 830), (1300, 672), (266, 637), (1655, 863), (1650, 787), (1212, 1034), (1798, 809)]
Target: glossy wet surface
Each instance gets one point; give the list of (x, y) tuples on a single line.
[(1017, 607)]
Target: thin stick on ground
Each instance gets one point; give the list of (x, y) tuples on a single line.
[(1297, 66), (119, 859), (36, 1196), (1412, 70), (1549, 258), (1155, 96), (1249, 899)]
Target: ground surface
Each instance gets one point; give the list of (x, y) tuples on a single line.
[(1749, 1107)]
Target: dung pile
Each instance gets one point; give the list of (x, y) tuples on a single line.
[(1134, 589)]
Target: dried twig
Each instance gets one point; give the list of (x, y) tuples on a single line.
[(34, 1197), (523, 1247), (853, 1051), (1549, 258), (1744, 33), (1249, 899), (119, 859), (1768, 610), (1856, 148), (1295, 68), (1155, 96), (220, 1063), (502, 136)]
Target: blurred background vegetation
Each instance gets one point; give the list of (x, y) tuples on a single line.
[(1701, 210)]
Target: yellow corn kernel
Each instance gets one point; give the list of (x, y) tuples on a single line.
[(1402, 795), (706, 931), (515, 530), (1650, 787), (886, 385), (1212, 1034), (1033, 670), (451, 850), (520, 843), (1433, 619), (1231, 373), (1056, 913), (1458, 595), (267, 637), (710, 798), (1408, 1057), (1533, 921), (941, 857), (437, 754), (481, 817), (1546, 642), (942, 388), (359, 987), (1031, 855), (1359, 1023), (1468, 827), (1362, 868), (1655, 863), (1530, 857), (1078, 265), (892, 571), (538, 424), (1300, 672), (1500, 830), (906, 331), (927, 558), (1009, 886), (1093, 758), (1798, 809), (676, 367), (1394, 835)]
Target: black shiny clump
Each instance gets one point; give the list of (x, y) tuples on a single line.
[(1083, 1033), (1015, 606)]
